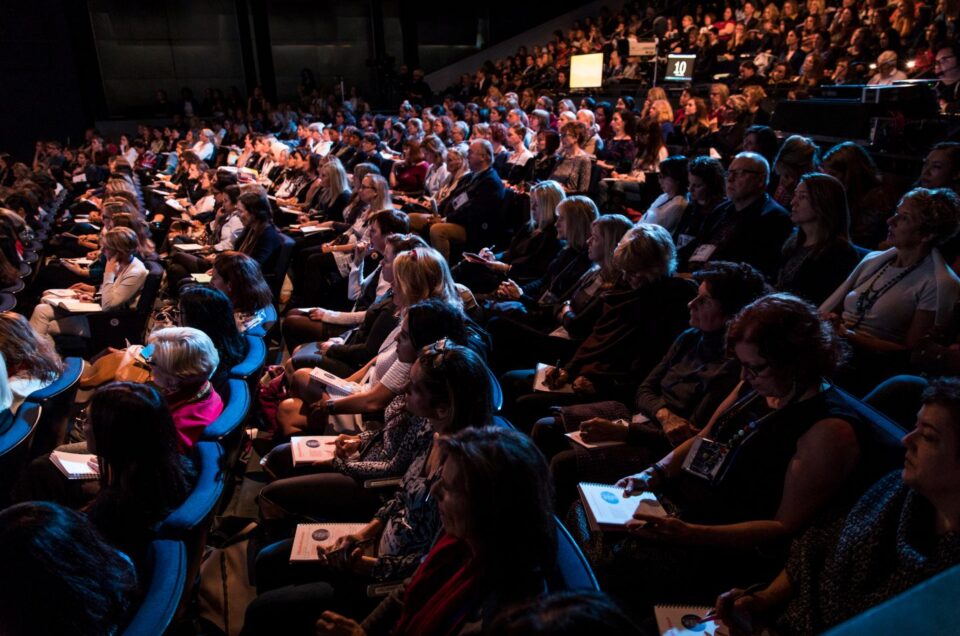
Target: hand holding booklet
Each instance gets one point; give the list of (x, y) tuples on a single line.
[(335, 384), (681, 620), (76, 465), (312, 537), (313, 449), (608, 509)]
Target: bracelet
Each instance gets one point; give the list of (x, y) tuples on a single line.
[(330, 405)]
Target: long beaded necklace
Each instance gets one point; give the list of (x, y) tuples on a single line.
[(869, 297)]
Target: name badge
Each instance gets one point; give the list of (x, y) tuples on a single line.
[(702, 254), (706, 458), (80, 178), (684, 239), (460, 201)]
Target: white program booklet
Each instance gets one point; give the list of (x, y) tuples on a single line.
[(684, 620), (313, 449), (312, 536), (335, 383), (577, 437), (608, 509)]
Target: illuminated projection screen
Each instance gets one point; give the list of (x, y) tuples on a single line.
[(586, 71)]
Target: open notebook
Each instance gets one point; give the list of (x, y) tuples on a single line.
[(540, 381)]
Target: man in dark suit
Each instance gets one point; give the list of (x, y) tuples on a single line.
[(749, 227), (471, 213)]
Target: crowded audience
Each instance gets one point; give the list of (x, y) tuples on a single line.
[(480, 301)]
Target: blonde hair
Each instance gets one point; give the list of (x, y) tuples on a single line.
[(612, 227), (184, 353), (423, 273), (664, 110), (544, 199), (382, 199), (579, 212), (337, 183), (647, 249)]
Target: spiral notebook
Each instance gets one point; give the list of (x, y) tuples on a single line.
[(685, 620), (608, 509)]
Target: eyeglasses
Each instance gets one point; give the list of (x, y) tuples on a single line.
[(753, 371)]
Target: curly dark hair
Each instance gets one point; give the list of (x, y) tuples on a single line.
[(733, 285), (791, 335), (944, 392)]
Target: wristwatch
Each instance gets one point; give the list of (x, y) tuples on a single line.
[(330, 405)]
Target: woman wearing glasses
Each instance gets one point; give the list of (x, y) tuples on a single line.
[(783, 446)]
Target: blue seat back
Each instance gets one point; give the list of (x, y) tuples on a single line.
[(928, 608), (236, 405), (199, 505), (882, 449), (573, 571), (15, 447), (57, 400), (167, 578), (250, 368)]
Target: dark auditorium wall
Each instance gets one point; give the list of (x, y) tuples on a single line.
[(146, 46), (45, 49)]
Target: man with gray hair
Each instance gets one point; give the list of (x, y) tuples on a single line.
[(749, 227), (471, 213)]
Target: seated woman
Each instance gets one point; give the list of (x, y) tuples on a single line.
[(487, 558), (344, 354), (790, 445), (239, 277), (548, 143), (32, 363), (143, 474), (47, 547), (626, 341), (182, 363), (208, 310), (622, 188), (329, 264), (667, 209), (385, 452), (707, 184), (674, 402), (449, 391), (900, 533), (332, 196), (123, 278), (530, 251), (797, 156), (320, 323), (220, 235), (619, 152), (260, 239), (519, 163), (408, 176), (418, 274), (572, 170), (893, 298), (869, 202), (818, 256), (575, 216), (524, 341)]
